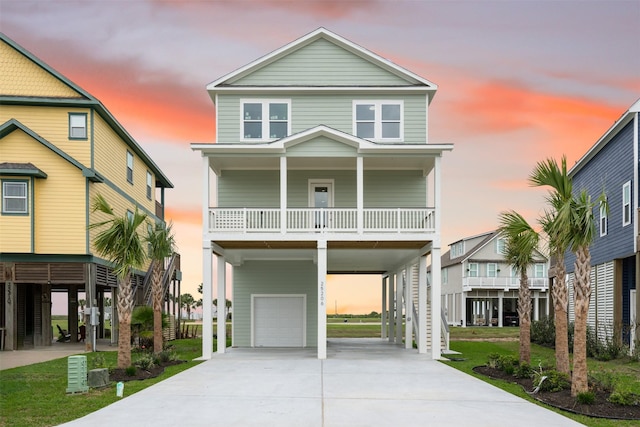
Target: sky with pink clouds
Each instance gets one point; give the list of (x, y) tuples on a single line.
[(519, 81)]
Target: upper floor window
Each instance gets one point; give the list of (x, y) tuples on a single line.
[(77, 126), (378, 120), (457, 249), (492, 269), (500, 245), (539, 271), (445, 275), (149, 184), (129, 167), (626, 203), (603, 219), (473, 269), (266, 119), (129, 216), (14, 197)]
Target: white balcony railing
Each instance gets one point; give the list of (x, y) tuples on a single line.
[(469, 283), (334, 220)]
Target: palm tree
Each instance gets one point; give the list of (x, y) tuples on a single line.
[(121, 244), (161, 244), (521, 241), (188, 303), (582, 233), (555, 223)]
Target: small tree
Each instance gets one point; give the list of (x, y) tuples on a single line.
[(188, 303), (121, 244)]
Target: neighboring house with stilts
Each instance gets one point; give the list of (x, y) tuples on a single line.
[(479, 288), (322, 165), (611, 166), (59, 148)]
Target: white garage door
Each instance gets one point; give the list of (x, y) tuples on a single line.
[(278, 320)]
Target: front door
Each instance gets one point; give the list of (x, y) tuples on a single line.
[(321, 198)]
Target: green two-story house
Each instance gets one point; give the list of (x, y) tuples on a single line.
[(322, 165)]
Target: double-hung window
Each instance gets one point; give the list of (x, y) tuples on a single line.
[(378, 120), (14, 197), (130, 167), (473, 269), (603, 219), (492, 269), (500, 245), (265, 120), (538, 272), (149, 184), (77, 126), (626, 203)]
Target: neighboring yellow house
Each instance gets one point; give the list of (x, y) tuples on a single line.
[(59, 147)]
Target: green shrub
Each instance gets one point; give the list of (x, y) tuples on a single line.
[(166, 356), (131, 371), (98, 361), (624, 397), (543, 332), (523, 370), (586, 398), (493, 360), (145, 361), (507, 363), (553, 381), (603, 380), (606, 344)]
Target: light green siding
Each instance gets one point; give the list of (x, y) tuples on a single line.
[(273, 277), (321, 63), (333, 110), (249, 188), (398, 189), (344, 187), (321, 147)]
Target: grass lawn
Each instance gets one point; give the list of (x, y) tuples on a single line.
[(475, 353), (482, 332), (352, 330), (35, 395)]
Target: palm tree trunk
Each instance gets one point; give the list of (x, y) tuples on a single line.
[(125, 307), (582, 293), (524, 314), (560, 304), (156, 297)]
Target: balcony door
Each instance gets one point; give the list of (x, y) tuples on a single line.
[(321, 198)]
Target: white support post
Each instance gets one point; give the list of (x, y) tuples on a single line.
[(399, 285), (436, 304), (222, 304), (437, 196), (322, 299), (463, 309), (422, 305), (392, 329), (283, 194), (408, 312), (360, 194), (500, 308), (383, 318), (536, 306), (207, 314)]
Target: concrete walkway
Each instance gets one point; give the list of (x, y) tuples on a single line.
[(363, 382)]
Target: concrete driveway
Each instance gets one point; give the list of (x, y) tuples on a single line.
[(363, 382)]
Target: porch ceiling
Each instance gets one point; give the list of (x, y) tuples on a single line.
[(343, 257)]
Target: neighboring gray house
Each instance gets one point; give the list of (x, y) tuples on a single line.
[(322, 165), (611, 166), (480, 289)]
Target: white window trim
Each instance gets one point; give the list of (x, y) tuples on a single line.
[(626, 189), (535, 270), (84, 118), (377, 133), (495, 269), (604, 229), (130, 156), (25, 198), (265, 119), (477, 269), (149, 185), (504, 245)]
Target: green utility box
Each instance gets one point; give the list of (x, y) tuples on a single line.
[(77, 374)]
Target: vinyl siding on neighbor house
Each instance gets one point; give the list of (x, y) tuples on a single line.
[(321, 63), (334, 110), (382, 188), (272, 277), (608, 171)]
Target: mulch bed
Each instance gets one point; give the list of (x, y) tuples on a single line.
[(601, 408), (117, 375)]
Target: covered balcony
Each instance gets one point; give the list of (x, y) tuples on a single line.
[(503, 283)]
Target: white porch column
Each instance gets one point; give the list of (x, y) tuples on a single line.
[(322, 296), (436, 303), (399, 285), (283, 194), (500, 308), (408, 311), (360, 194), (222, 304), (207, 314), (392, 329), (536, 306), (422, 305), (383, 315)]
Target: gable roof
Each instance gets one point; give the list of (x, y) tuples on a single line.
[(87, 100), (21, 169), (322, 33), (446, 259), (626, 117)]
